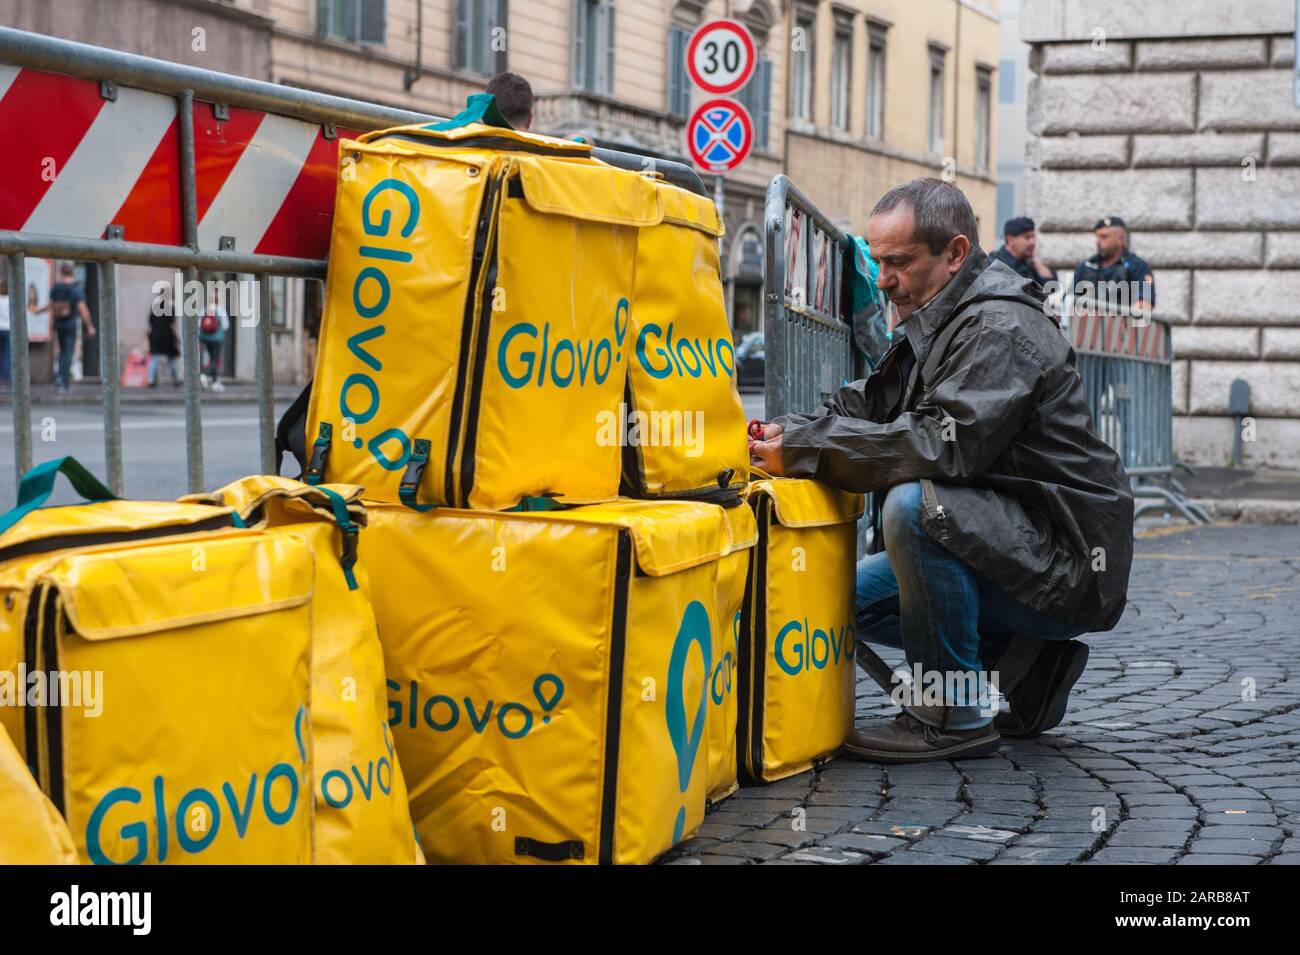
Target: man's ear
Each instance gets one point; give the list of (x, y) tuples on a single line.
[(957, 251)]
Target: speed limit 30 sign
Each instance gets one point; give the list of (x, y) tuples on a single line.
[(721, 57)]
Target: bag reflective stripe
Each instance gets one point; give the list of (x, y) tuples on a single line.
[(797, 660), (475, 297), (685, 420), (362, 813), (547, 676), (31, 830)]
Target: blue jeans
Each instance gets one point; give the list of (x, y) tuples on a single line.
[(5, 371), (946, 618), (66, 330)]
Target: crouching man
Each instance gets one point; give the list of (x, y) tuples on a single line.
[(1007, 523)]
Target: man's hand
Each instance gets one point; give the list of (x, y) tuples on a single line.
[(90, 331), (766, 453)]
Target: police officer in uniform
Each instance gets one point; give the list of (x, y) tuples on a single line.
[(1019, 245), (1114, 278)]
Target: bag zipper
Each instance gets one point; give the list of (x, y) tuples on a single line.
[(752, 655), (52, 710), (467, 335), (65, 541), (614, 706), (479, 361), (33, 742)]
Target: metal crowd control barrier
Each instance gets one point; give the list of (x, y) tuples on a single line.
[(167, 100), (807, 329), (808, 344), (1125, 363)]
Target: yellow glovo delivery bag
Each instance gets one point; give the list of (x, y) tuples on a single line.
[(476, 318), (685, 425), (362, 815), (31, 830), (797, 666), (547, 676), (160, 657)]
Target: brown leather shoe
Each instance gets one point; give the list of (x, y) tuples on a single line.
[(905, 739)]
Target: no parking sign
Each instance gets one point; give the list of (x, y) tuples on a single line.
[(720, 135)]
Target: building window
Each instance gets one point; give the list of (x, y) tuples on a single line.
[(1006, 201), (593, 46), (876, 81), (802, 65), (983, 117), (358, 21), (756, 96), (679, 84), (480, 31), (841, 71), (937, 57), (1006, 81)]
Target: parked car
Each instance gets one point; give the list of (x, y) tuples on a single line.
[(749, 360)]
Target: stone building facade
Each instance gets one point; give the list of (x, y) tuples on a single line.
[(1178, 116)]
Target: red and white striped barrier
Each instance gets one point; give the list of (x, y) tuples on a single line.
[(1120, 335), (77, 163)]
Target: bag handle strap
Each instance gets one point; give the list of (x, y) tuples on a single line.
[(37, 485), (754, 469)]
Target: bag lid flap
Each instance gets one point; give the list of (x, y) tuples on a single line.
[(742, 528), (249, 494), (799, 502), (471, 132), (591, 191), (685, 208), (108, 517), (141, 590)]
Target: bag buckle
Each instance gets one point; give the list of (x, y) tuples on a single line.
[(410, 483), (320, 451)]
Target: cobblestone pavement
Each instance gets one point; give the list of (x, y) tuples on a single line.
[(1181, 744)]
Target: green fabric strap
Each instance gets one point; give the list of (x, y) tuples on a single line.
[(350, 531), (410, 483), (539, 503), (37, 485), (479, 108)]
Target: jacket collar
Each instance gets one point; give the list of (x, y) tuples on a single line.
[(923, 324)]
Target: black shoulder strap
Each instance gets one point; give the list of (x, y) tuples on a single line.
[(291, 432)]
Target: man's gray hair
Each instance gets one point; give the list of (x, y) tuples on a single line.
[(940, 210)]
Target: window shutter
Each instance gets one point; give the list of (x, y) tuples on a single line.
[(323, 17), (460, 35), (500, 57), (372, 21), (579, 49), (678, 93), (607, 37), (762, 115)]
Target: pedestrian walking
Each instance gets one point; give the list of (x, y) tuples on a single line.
[(4, 331), (213, 325), (163, 345), (66, 306)]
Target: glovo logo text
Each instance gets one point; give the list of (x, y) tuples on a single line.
[(723, 677), (443, 713), (661, 355), (197, 818), (686, 718), (531, 357), (336, 785), (800, 648), (360, 397)]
